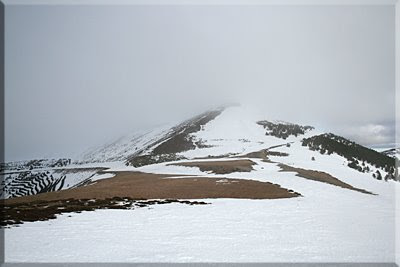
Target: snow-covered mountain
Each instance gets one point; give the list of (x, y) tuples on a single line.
[(269, 191), (235, 131), (225, 132)]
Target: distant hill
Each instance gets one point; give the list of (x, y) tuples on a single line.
[(225, 132)]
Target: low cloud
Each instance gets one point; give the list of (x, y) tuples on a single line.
[(371, 134), (75, 80)]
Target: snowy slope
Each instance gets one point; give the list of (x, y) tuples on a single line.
[(30, 182), (122, 148), (327, 223), (236, 131), (224, 132)]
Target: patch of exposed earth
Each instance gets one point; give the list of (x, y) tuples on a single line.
[(130, 190), (313, 175), (220, 167), (133, 186), (19, 213), (320, 176)]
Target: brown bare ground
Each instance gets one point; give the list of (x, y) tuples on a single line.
[(313, 175), (46, 210), (261, 154), (137, 185), (320, 177), (130, 190), (220, 167)]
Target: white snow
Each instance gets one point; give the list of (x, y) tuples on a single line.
[(102, 176), (236, 131), (300, 156), (326, 224), (120, 149), (350, 227)]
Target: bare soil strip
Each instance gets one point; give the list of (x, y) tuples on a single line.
[(313, 175), (133, 186), (137, 185), (261, 154), (264, 153), (320, 177), (220, 167)]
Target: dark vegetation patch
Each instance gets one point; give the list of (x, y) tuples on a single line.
[(264, 153), (45, 210), (220, 167), (201, 144), (320, 177), (144, 160), (277, 153), (178, 140), (357, 155), (284, 130)]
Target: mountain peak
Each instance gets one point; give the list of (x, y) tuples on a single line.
[(228, 129)]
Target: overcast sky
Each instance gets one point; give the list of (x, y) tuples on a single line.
[(77, 76)]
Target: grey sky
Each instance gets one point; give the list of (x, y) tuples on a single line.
[(79, 75)]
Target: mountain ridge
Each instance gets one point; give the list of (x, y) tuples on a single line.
[(224, 132)]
